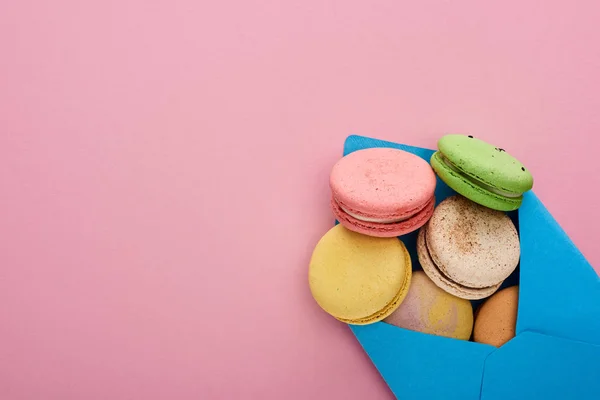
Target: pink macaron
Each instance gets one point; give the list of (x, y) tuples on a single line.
[(382, 192)]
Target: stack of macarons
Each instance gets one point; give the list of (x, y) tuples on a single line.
[(361, 271)]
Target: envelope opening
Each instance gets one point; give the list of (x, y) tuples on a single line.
[(410, 240), (442, 191), (555, 351)]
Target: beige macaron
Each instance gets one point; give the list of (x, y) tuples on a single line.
[(468, 249), (496, 319)]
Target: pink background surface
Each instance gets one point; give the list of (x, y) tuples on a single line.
[(164, 172)]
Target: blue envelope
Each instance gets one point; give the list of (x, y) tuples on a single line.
[(556, 352)]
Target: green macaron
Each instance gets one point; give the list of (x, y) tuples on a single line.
[(486, 174)]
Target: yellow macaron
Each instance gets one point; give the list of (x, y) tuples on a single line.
[(359, 279)]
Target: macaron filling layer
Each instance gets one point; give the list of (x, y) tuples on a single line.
[(441, 271), (478, 182), (380, 219), (376, 220), (382, 229)]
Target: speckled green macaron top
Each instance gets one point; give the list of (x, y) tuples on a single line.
[(486, 163)]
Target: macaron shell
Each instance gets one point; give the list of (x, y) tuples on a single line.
[(359, 279), (383, 230), (442, 281), (471, 190), (382, 182), (384, 312), (429, 309), (486, 163), (472, 245), (496, 319)]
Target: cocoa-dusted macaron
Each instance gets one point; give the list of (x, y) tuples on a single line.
[(468, 249), (496, 319)]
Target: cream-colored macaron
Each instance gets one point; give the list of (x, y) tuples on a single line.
[(467, 249)]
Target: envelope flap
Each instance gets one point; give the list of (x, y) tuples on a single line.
[(536, 366), (354, 143), (420, 366), (558, 299), (560, 292)]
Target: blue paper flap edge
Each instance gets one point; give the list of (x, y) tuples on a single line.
[(421, 366), (545, 306), (560, 291), (537, 366)]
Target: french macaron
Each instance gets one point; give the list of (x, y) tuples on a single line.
[(382, 192), (496, 319), (429, 309), (468, 249), (359, 279), (486, 174)]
